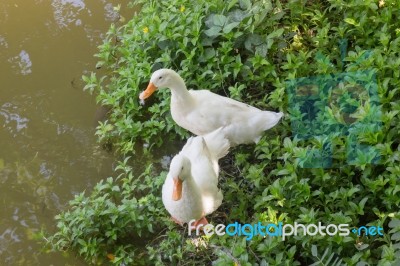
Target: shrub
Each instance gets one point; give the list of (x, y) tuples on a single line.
[(251, 51), (116, 213)]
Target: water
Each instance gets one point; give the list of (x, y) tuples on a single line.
[(48, 151)]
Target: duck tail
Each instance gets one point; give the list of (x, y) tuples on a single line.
[(217, 143), (271, 119)]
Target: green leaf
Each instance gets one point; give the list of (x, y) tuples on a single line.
[(245, 4), (163, 26), (394, 223), (276, 33), (314, 250), (231, 4), (209, 53), (115, 188), (373, 6), (395, 236), (283, 172), (262, 50), (351, 21), (228, 28), (219, 20), (238, 15), (213, 31), (278, 15), (253, 40)]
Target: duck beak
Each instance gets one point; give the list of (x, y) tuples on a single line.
[(151, 88), (177, 191)]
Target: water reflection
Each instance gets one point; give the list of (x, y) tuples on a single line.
[(13, 122), (22, 63), (67, 11), (7, 238), (111, 14), (3, 42), (48, 151)]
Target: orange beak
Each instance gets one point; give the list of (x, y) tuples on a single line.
[(177, 191), (151, 88)]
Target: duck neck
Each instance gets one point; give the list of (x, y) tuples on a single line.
[(191, 187), (179, 91)]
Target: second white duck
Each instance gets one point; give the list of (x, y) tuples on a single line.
[(190, 191)]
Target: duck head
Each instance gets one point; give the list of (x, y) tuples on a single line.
[(162, 78), (180, 171)]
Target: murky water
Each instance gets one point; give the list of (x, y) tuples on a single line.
[(48, 150)]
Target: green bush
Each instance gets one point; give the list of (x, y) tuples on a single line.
[(118, 211), (247, 50)]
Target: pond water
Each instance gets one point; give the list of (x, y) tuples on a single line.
[(48, 151)]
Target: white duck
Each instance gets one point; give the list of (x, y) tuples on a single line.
[(190, 190), (201, 111)]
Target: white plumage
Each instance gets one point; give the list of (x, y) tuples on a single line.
[(196, 166), (201, 111)]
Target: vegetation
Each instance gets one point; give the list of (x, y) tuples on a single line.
[(252, 51)]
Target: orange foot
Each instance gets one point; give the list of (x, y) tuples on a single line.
[(198, 224), (201, 222)]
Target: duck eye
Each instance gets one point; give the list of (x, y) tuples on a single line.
[(159, 77)]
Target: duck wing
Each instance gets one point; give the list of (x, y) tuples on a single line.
[(242, 123)]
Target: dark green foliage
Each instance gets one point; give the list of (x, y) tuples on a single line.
[(249, 50), (118, 212), (325, 259)]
